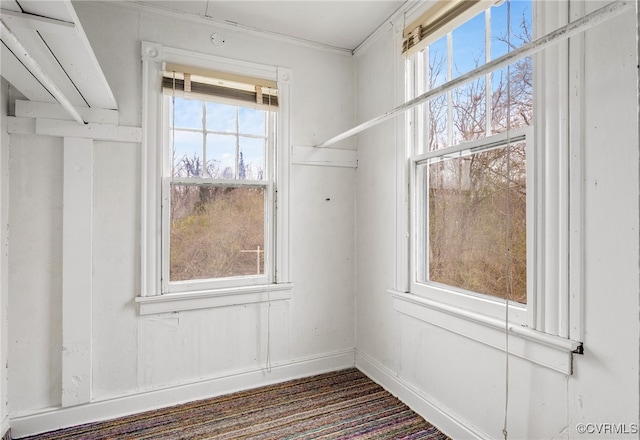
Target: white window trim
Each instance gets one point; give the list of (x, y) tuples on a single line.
[(153, 57), (558, 235)]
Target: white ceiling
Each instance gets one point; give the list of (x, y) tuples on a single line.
[(342, 24), (46, 36)]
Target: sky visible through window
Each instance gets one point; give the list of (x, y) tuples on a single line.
[(235, 139), (469, 39)]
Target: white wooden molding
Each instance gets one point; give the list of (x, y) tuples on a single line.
[(331, 157), (4, 427), (77, 271), (14, 72), (57, 418), (176, 302), (46, 110), (42, 24), (62, 128), (549, 351)]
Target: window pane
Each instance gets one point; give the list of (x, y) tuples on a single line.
[(515, 107), (251, 162), (437, 123), (221, 156), (470, 200), (188, 113), (221, 117), (468, 45), (469, 111), (437, 74), (216, 232), (251, 121), (520, 26), (187, 153)]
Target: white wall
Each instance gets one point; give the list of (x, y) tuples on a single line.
[(448, 373), (131, 353), (445, 373)]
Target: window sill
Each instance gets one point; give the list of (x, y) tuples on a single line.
[(546, 350), (177, 302)]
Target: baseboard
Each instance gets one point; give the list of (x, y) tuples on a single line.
[(5, 429), (430, 410), (58, 418)]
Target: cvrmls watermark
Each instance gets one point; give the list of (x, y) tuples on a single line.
[(607, 428)]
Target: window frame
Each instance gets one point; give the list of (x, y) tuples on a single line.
[(551, 331), (152, 294), (267, 184), (487, 305), (490, 306)]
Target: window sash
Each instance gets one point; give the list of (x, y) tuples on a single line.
[(169, 286), (491, 306), (268, 277)]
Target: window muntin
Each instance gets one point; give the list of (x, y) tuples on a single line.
[(465, 243), (217, 193)]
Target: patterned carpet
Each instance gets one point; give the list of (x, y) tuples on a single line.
[(338, 405)]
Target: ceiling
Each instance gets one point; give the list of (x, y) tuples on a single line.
[(340, 24), (47, 57)]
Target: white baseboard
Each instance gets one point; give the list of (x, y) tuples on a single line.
[(58, 418), (4, 427), (430, 410)]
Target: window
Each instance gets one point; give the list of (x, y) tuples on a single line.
[(469, 164), (218, 200), (215, 181), (489, 176)]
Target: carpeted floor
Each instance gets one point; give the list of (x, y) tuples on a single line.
[(339, 405)]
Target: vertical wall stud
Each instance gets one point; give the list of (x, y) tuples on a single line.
[(76, 271)]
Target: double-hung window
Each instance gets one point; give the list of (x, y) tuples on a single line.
[(215, 181), (470, 167), (482, 213), (218, 186)]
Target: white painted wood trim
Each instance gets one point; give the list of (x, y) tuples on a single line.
[(217, 63), (150, 163), (441, 417), (552, 352), (62, 128), (282, 241), (46, 110), (331, 157), (101, 96), (77, 271), (176, 302), (42, 67), (36, 22), (56, 418), (576, 178), (14, 72), (4, 427)]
